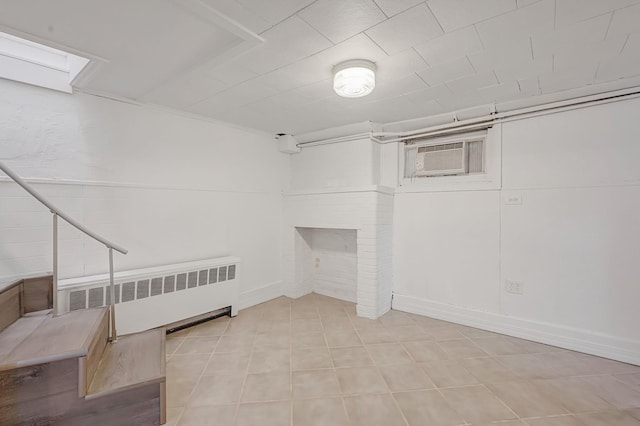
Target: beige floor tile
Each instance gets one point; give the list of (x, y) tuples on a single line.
[(630, 379), (447, 332), (264, 414), (360, 380), (427, 408), (361, 323), (303, 312), (315, 384), (405, 377), (448, 373), (306, 325), (311, 358), (461, 348), (555, 421), (227, 363), (529, 366), (389, 354), (611, 418), (308, 340), (337, 324), (430, 322), (476, 404), (172, 344), (574, 395), (351, 357), (197, 345), (475, 333), (487, 370), (210, 328), (500, 346), (173, 415), (319, 412), (392, 318), (527, 399), (272, 340), (241, 344), (376, 335), (338, 339), (373, 410), (619, 394), (217, 389), (267, 387), (179, 392), (408, 333), (506, 423), (269, 361), (634, 412), (186, 367), (425, 351), (597, 365), (208, 415), (241, 327)]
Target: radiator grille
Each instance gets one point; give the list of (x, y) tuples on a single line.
[(149, 287)]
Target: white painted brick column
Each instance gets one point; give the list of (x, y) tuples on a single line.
[(367, 210)]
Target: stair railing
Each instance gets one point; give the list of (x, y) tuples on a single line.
[(57, 213)]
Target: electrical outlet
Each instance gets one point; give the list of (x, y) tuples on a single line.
[(513, 200), (514, 287)]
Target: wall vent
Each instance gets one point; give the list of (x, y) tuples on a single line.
[(188, 282)]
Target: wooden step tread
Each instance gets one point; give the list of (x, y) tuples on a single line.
[(133, 361), (39, 338)]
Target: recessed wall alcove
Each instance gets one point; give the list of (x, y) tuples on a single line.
[(337, 242)]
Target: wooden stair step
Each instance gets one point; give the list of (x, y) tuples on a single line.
[(134, 361), (39, 338)]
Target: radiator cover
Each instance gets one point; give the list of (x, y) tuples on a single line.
[(153, 297)]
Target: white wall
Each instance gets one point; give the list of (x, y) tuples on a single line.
[(572, 243), (338, 165), (167, 187)]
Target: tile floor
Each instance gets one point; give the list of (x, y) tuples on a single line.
[(312, 361)]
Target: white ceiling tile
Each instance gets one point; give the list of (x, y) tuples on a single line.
[(407, 29), (393, 7), (524, 3), (626, 20), (568, 79), (239, 13), (285, 43), (500, 92), (340, 19), (450, 46), (622, 66), (393, 88), (471, 83), (520, 70), (529, 86), (567, 38), (274, 11), (456, 14), (448, 71), (583, 55), (508, 55), (571, 11), (185, 91), (319, 90), (430, 94), (230, 73), (320, 66), (399, 65), (242, 94), (521, 23)]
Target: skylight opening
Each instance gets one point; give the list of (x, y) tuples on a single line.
[(33, 63)]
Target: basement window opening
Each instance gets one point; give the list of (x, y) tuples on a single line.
[(32, 63)]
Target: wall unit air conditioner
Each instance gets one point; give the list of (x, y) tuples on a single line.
[(438, 160)]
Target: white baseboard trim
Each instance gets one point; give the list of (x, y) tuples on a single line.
[(556, 335), (260, 295)]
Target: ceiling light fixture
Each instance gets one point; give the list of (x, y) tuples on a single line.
[(354, 78)]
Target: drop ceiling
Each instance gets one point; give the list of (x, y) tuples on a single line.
[(267, 64)]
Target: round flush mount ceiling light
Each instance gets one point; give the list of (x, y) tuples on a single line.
[(355, 78)]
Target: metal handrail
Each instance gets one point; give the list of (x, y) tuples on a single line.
[(59, 213)]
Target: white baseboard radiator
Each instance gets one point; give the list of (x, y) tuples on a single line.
[(154, 297)]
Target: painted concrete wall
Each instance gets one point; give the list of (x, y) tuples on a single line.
[(167, 187), (572, 242)]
